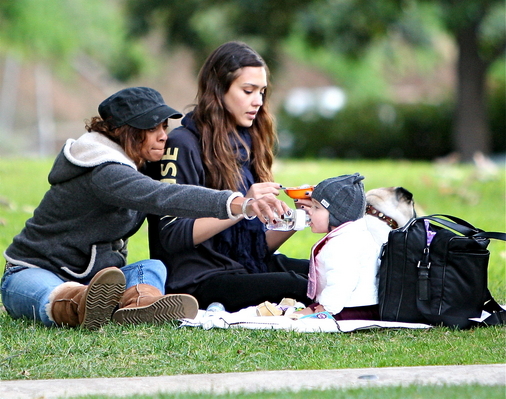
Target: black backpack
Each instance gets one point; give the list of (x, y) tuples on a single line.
[(429, 274)]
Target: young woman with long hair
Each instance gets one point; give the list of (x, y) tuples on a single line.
[(226, 142)]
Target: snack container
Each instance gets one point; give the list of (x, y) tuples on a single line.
[(299, 192)]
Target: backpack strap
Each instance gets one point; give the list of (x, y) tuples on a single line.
[(463, 227), (497, 312), (455, 219), (491, 234)]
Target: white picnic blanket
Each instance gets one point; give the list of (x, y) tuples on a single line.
[(247, 318)]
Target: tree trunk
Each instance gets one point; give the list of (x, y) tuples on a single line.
[(45, 118), (8, 96), (471, 131)]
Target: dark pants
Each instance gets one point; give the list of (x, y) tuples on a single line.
[(359, 313), (287, 278)]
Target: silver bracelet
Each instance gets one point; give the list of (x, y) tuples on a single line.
[(229, 204), (243, 209)]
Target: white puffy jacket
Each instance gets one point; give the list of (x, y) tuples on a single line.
[(346, 267)]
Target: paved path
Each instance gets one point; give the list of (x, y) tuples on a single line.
[(493, 374)]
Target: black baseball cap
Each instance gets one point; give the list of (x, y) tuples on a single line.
[(139, 107)]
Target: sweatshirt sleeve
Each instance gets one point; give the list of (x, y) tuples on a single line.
[(122, 186)]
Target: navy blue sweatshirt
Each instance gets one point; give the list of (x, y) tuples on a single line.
[(241, 248)]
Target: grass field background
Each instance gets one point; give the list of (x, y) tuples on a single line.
[(415, 392), (31, 351), (475, 195)]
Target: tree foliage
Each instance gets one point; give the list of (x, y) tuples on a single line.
[(57, 30), (477, 27), (345, 27), (202, 25)]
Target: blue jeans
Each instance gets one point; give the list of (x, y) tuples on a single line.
[(26, 290)]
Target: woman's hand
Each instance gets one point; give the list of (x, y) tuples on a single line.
[(303, 203), (264, 201), (263, 207), (257, 190)]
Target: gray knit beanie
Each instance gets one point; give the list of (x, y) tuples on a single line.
[(343, 196)]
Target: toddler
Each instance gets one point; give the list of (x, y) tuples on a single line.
[(344, 263)]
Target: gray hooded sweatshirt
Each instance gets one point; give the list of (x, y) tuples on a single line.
[(97, 200)]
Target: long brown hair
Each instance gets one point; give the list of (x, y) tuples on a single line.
[(127, 137), (217, 126)]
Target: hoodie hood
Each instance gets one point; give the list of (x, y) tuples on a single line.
[(188, 123), (88, 151)]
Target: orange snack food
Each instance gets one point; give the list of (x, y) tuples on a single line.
[(299, 192)]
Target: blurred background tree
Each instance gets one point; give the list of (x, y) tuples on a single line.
[(202, 25), (363, 47), (349, 27), (477, 28), (56, 31), (57, 37)]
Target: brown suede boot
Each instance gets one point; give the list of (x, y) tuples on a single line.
[(143, 303), (90, 306)]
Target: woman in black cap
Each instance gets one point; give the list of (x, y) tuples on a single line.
[(226, 142), (68, 265)]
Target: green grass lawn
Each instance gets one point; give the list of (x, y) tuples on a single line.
[(30, 351), (415, 392)]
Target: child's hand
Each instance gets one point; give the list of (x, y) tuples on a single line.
[(304, 312), (319, 309)]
